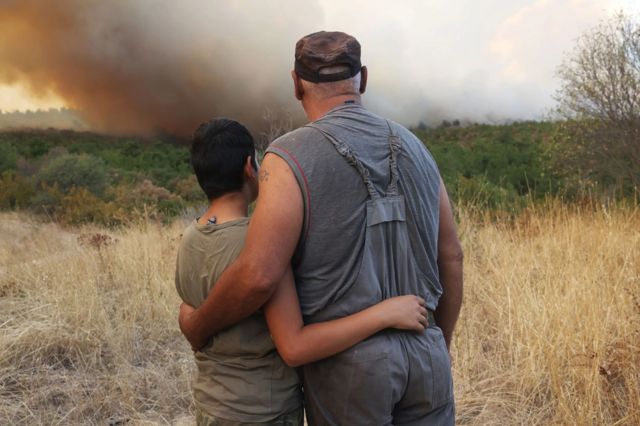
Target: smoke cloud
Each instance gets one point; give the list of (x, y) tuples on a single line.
[(153, 65), (163, 66)]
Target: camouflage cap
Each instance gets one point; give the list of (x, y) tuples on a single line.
[(326, 49)]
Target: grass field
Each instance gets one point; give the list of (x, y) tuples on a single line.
[(549, 332)]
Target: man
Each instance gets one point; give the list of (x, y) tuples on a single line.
[(356, 203)]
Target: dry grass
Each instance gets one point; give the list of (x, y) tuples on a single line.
[(549, 333), (88, 326), (550, 328)]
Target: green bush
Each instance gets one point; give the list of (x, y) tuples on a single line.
[(8, 157), (494, 165), (35, 147), (46, 200), (69, 171), (480, 193)]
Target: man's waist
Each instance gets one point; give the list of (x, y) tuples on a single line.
[(431, 318)]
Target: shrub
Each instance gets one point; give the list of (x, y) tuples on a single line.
[(8, 157), (26, 167), (145, 199), (189, 189), (479, 192), (46, 200), (15, 190), (36, 146), (81, 206), (72, 170), (76, 206), (146, 192)]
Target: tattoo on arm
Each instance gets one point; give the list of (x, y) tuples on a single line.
[(264, 175)]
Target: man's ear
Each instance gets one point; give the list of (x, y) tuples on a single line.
[(363, 79), (297, 85)]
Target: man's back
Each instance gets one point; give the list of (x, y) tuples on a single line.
[(371, 193), (328, 258)]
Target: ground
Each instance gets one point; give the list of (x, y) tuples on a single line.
[(549, 332)]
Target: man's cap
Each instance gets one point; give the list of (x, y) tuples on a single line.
[(327, 49)]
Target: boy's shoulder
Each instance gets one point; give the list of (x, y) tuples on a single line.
[(206, 251), (231, 232), (231, 226)]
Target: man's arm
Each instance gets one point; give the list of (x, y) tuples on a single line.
[(450, 259), (271, 239)]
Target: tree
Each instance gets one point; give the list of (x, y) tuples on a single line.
[(599, 97)]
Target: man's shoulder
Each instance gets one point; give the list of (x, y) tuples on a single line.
[(408, 137), (403, 132), (296, 137), (417, 151)]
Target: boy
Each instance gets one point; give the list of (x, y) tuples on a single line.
[(241, 379)]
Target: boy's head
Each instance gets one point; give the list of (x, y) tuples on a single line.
[(223, 157)]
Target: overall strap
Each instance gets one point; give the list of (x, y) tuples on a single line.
[(345, 151), (395, 145)]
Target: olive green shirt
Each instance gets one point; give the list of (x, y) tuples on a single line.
[(240, 375)]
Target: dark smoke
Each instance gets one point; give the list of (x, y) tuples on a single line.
[(163, 66), (150, 66)]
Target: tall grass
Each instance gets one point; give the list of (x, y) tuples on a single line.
[(88, 326), (550, 328), (549, 332)]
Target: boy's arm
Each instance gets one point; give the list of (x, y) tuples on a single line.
[(450, 259), (271, 240), (299, 344)]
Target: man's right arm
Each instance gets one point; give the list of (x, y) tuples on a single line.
[(271, 239), (450, 259)]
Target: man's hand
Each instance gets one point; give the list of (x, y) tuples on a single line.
[(186, 322)]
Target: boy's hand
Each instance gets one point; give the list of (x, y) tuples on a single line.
[(186, 322), (405, 313)]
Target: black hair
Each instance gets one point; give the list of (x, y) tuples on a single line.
[(219, 151)]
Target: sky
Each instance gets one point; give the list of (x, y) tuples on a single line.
[(128, 66)]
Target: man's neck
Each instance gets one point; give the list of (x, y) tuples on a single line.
[(315, 109), (225, 208)]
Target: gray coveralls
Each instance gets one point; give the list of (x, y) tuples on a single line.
[(394, 377)]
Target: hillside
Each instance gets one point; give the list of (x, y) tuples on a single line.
[(495, 166), (84, 176)]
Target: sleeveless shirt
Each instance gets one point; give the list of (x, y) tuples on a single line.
[(331, 248)]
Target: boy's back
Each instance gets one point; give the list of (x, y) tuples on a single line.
[(240, 375)]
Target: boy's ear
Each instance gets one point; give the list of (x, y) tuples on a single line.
[(249, 171)]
